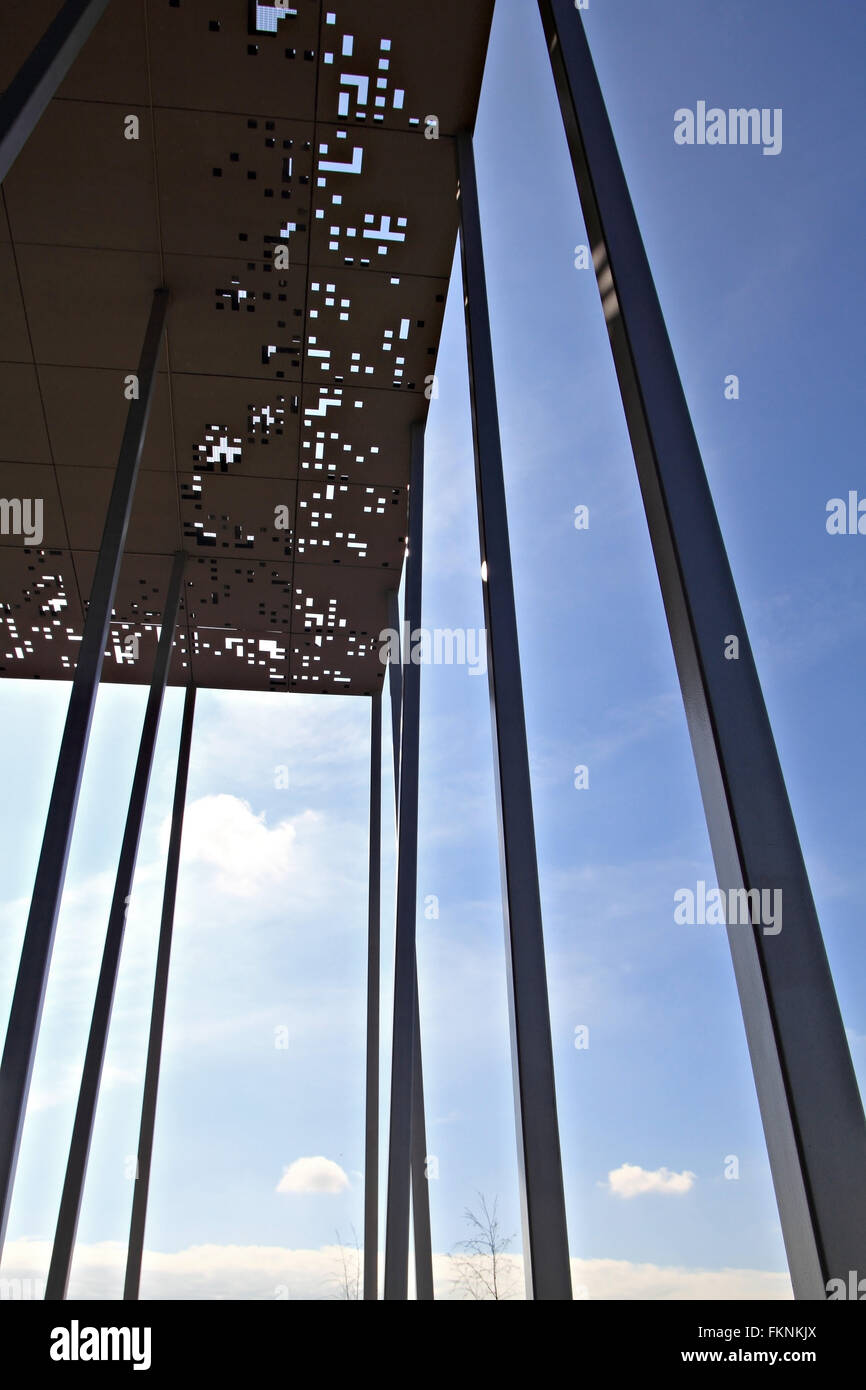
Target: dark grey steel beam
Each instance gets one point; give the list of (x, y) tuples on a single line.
[(807, 1091), (420, 1190), (546, 1260), (30, 91), (371, 1146), (91, 1076), (404, 1030), (157, 1017), (24, 1017)]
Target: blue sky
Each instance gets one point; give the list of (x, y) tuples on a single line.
[(757, 262)]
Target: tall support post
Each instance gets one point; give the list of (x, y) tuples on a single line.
[(545, 1238), (371, 1146), (420, 1189), (91, 1076), (157, 1018), (26, 1012), (807, 1091), (30, 91), (404, 1030)]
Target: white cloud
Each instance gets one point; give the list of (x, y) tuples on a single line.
[(271, 1272), (313, 1175), (632, 1181), (224, 833)]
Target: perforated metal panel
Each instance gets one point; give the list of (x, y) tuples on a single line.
[(272, 166)]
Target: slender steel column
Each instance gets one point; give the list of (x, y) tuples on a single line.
[(157, 1018), (403, 1041), (420, 1190), (371, 1149), (91, 1076), (26, 1011), (30, 91), (545, 1236), (807, 1091)]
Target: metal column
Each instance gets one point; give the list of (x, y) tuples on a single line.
[(26, 1011), (807, 1091), (157, 1018), (91, 1076), (371, 1146), (30, 91), (403, 1040), (420, 1190), (545, 1236)]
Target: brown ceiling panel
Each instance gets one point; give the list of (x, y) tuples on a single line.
[(77, 398), (205, 55), (250, 518), (40, 616), (14, 337), (87, 308), (357, 436), (245, 428), (372, 329), (223, 175), (239, 593), (23, 434), (231, 318), (101, 191), (153, 526), (391, 66), (385, 200), (338, 616), (344, 524), (31, 512)]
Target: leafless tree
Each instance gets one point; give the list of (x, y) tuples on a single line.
[(349, 1277), (483, 1270)]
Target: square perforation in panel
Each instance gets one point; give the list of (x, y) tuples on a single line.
[(101, 192), (74, 397), (247, 517), (235, 66), (263, 339), (131, 653), (142, 587), (253, 596), (336, 625), (240, 661), (40, 616), (393, 322), (357, 436), (383, 200), (395, 69), (232, 425), (345, 524), (219, 177)]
